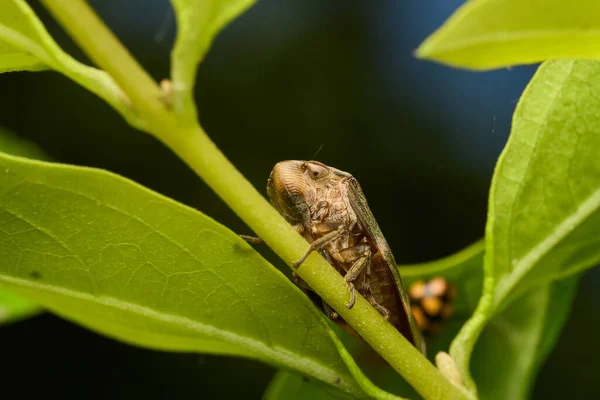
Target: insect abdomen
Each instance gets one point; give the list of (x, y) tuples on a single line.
[(385, 292)]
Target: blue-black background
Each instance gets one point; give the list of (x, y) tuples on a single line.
[(285, 79)]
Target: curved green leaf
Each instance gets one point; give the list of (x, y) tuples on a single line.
[(517, 340), (286, 385), (17, 146), (12, 60), (487, 34), (545, 197), (452, 266), (198, 22), (12, 307), (124, 261), (19, 39), (544, 210), (25, 45)]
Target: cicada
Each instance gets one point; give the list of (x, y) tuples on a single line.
[(327, 206)]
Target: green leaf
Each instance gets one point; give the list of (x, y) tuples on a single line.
[(198, 22), (12, 60), (452, 266), (545, 196), (17, 146), (25, 45), (12, 307), (488, 34), (126, 262), (15, 308), (516, 341), (19, 39), (286, 385), (544, 208)]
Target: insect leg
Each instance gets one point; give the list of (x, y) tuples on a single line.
[(330, 312), (252, 239), (382, 310), (353, 273), (365, 290), (319, 243)]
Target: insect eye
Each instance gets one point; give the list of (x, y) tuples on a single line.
[(317, 171)]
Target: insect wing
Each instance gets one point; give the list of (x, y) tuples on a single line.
[(367, 220)]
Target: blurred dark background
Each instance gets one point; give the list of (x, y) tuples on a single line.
[(286, 79)]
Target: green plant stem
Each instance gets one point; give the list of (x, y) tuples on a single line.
[(201, 154)]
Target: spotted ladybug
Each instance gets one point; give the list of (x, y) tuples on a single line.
[(431, 303)]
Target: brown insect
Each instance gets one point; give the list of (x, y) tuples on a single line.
[(327, 206), (432, 303)]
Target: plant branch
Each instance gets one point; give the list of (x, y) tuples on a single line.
[(193, 146)]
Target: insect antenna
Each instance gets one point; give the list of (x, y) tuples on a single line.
[(317, 152)]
